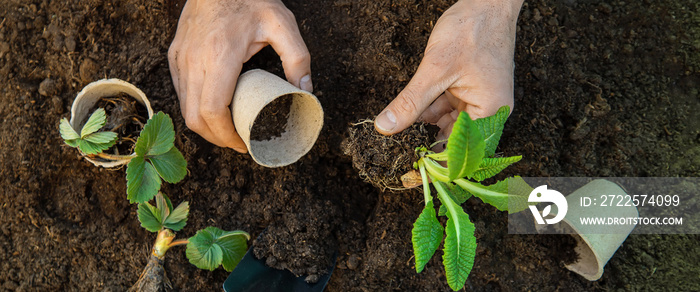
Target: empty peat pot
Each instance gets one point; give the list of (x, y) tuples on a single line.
[(595, 248), (302, 120), (90, 95)]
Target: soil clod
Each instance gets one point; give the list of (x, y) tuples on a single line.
[(381, 160)]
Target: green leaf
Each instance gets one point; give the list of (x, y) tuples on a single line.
[(157, 136), (167, 201), (90, 148), (178, 217), (67, 131), (427, 235), (460, 242), (465, 148), (234, 245), (457, 194), (212, 247), (162, 206), (94, 123), (73, 143), (492, 166), (142, 181), (102, 138), (150, 217), (171, 165), (491, 129), (507, 195)]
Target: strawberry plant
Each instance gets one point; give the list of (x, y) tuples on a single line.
[(208, 249), (155, 157), (470, 159)]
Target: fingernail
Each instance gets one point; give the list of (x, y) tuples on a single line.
[(305, 83), (386, 121)]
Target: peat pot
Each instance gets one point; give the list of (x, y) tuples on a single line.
[(594, 247), (88, 97), (257, 89)]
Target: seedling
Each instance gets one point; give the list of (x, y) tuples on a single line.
[(155, 156), (208, 249), (470, 159)]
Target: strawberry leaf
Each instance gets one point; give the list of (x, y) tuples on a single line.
[(142, 181), (91, 148), (150, 217), (94, 123), (157, 136), (177, 219), (67, 131), (212, 247), (108, 138), (171, 165)]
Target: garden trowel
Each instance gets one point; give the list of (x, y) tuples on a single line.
[(251, 274)]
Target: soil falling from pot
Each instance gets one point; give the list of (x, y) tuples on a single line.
[(126, 117), (271, 122), (381, 160)]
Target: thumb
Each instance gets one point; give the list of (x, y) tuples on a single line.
[(425, 86)]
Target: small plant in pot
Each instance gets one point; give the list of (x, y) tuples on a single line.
[(470, 158), (155, 156)]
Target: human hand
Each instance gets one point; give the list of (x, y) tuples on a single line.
[(213, 40), (467, 66)]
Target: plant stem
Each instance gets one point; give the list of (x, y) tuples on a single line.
[(163, 242), (475, 188), (114, 156), (426, 187), (444, 197), (436, 170), (179, 242)]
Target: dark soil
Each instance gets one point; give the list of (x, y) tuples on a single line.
[(603, 88), (382, 160), (271, 122), (126, 117)]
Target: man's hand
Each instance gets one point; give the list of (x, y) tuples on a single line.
[(467, 66), (213, 40)]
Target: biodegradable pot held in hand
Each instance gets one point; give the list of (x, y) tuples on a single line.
[(85, 101), (277, 121)]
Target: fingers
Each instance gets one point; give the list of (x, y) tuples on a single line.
[(442, 106), (286, 40), (425, 86), (217, 91)]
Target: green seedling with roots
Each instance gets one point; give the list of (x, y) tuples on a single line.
[(470, 159), (155, 156), (208, 249)]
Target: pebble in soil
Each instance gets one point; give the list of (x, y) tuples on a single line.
[(381, 160)]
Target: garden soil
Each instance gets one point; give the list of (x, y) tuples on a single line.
[(603, 88)]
